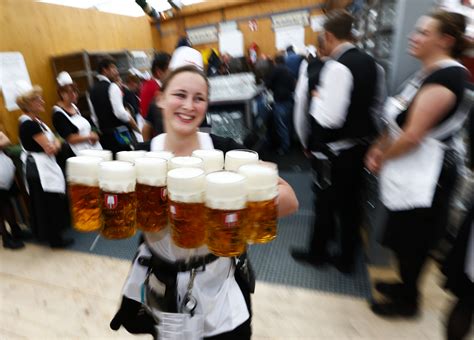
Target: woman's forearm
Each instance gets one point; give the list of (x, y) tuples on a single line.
[(287, 201), (400, 146)]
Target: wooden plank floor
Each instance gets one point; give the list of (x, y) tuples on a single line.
[(57, 294)]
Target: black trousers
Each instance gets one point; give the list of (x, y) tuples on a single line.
[(339, 204), (412, 233), (49, 212)]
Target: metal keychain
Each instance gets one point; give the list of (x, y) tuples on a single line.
[(189, 301)]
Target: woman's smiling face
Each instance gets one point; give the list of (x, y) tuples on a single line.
[(184, 103)]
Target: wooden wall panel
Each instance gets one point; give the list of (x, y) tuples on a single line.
[(261, 10), (40, 31)]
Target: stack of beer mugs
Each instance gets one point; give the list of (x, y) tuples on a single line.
[(207, 199)]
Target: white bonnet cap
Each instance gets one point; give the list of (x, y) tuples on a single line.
[(64, 79), (184, 56), (22, 88)]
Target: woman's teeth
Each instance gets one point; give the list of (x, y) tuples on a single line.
[(185, 117)]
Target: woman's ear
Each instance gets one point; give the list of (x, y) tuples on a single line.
[(448, 41)]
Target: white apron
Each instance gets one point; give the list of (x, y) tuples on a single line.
[(219, 297), (7, 172), (84, 128), (409, 181), (50, 174)]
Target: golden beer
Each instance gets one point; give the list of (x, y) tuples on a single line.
[(152, 215), (83, 191), (186, 207), (118, 214), (225, 231), (187, 224), (234, 159), (225, 213), (261, 221), (262, 189), (85, 207), (118, 201)]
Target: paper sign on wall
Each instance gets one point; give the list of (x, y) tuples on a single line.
[(232, 42), (289, 35), (317, 22), (12, 69), (202, 35)]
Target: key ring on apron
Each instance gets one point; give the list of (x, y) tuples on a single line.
[(189, 303)]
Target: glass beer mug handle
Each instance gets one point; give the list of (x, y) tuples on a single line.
[(189, 302)]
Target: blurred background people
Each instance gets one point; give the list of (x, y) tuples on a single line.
[(116, 124), (149, 93), (75, 129), (44, 178), (341, 131), (282, 84), (417, 159), (8, 188), (293, 61)]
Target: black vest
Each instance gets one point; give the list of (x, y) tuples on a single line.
[(103, 107), (359, 123)]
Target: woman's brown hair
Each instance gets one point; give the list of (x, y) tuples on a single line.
[(188, 68), (454, 25)]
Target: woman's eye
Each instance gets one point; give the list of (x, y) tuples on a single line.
[(180, 95), (200, 99)]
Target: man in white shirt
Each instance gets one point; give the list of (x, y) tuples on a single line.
[(115, 122), (341, 129)]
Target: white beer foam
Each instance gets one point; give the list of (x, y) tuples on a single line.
[(151, 171), (262, 181), (130, 156), (106, 155), (117, 176), (83, 170), (234, 159), (186, 185), (160, 154), (185, 162), (226, 190), (213, 159)]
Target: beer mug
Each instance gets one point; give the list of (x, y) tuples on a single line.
[(82, 174), (129, 156), (185, 162), (262, 193), (152, 212), (186, 207), (234, 159), (213, 159), (118, 201), (225, 213), (106, 155), (160, 154)]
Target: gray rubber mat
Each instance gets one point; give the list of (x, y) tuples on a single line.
[(272, 262)]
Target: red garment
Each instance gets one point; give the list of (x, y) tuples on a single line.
[(149, 90)]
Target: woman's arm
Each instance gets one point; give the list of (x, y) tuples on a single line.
[(4, 141), (429, 107), (287, 201), (48, 147)]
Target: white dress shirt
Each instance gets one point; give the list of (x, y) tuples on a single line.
[(116, 99), (330, 107)]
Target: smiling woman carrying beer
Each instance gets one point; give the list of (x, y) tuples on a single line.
[(168, 278)]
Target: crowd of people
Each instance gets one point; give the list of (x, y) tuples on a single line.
[(333, 102)]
